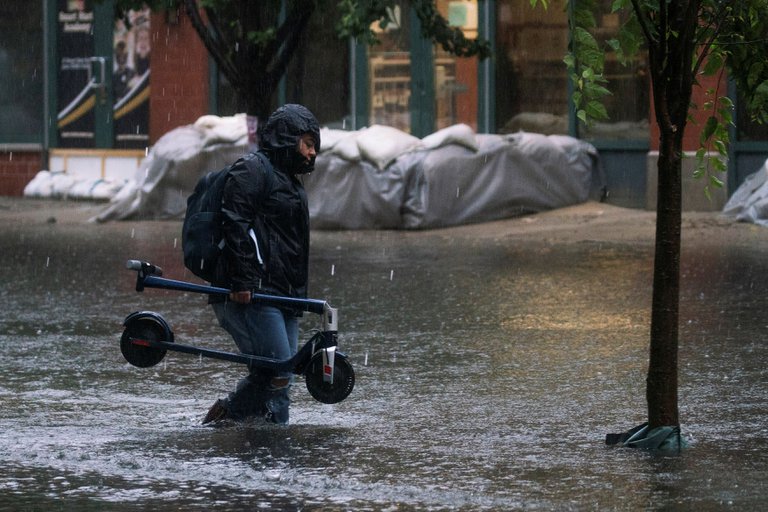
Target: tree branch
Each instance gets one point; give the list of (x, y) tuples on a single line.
[(212, 45)]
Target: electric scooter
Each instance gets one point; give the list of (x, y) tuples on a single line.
[(147, 337)]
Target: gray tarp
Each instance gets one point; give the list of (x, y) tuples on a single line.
[(452, 184), (379, 177), (750, 201), (169, 173)]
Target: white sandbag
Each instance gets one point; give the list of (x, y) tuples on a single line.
[(460, 134), (40, 185), (60, 184), (346, 147), (381, 145), (329, 137), (107, 188), (215, 129), (179, 144), (95, 189), (81, 189)]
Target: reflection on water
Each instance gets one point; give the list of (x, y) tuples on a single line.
[(488, 373)]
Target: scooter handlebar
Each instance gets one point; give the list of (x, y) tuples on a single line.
[(149, 276), (144, 266)]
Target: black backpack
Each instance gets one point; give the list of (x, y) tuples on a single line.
[(201, 238)]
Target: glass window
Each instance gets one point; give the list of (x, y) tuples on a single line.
[(456, 77), (389, 71), (318, 75), (21, 68), (746, 128), (531, 79), (628, 105)]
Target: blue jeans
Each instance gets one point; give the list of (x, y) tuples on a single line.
[(263, 331)]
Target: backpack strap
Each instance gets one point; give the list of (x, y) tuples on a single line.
[(268, 167), (265, 161)]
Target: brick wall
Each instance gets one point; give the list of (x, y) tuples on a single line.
[(179, 80), (17, 168)]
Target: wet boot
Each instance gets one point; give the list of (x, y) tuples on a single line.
[(217, 412)]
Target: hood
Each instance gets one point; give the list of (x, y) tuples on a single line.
[(279, 136)]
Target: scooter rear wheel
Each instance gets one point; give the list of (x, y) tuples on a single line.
[(143, 328), (329, 392)]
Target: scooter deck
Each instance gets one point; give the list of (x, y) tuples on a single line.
[(206, 352)]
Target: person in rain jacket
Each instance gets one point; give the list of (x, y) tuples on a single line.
[(266, 236)]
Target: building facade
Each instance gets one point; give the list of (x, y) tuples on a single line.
[(79, 84)]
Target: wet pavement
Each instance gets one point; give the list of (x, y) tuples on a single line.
[(491, 361)]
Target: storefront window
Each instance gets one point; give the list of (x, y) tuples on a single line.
[(456, 77), (132, 44), (21, 68), (318, 75), (629, 102), (746, 128), (531, 79), (452, 88), (389, 71)]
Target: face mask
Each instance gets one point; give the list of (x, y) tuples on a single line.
[(290, 161)]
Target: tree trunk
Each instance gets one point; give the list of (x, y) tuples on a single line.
[(661, 383)]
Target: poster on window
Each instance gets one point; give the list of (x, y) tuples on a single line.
[(130, 79), (76, 98)]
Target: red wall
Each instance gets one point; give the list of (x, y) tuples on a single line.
[(17, 168), (179, 79), (699, 117)]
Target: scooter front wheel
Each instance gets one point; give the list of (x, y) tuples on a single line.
[(329, 392), (134, 342)]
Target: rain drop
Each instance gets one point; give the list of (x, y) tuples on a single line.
[(333, 269), (47, 261), (391, 274)]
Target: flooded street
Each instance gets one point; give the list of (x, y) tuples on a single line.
[(488, 371)]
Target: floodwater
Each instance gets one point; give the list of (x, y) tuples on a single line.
[(488, 373)]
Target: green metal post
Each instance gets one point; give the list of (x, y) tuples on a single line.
[(50, 79), (486, 71), (359, 77), (422, 81), (103, 30)]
